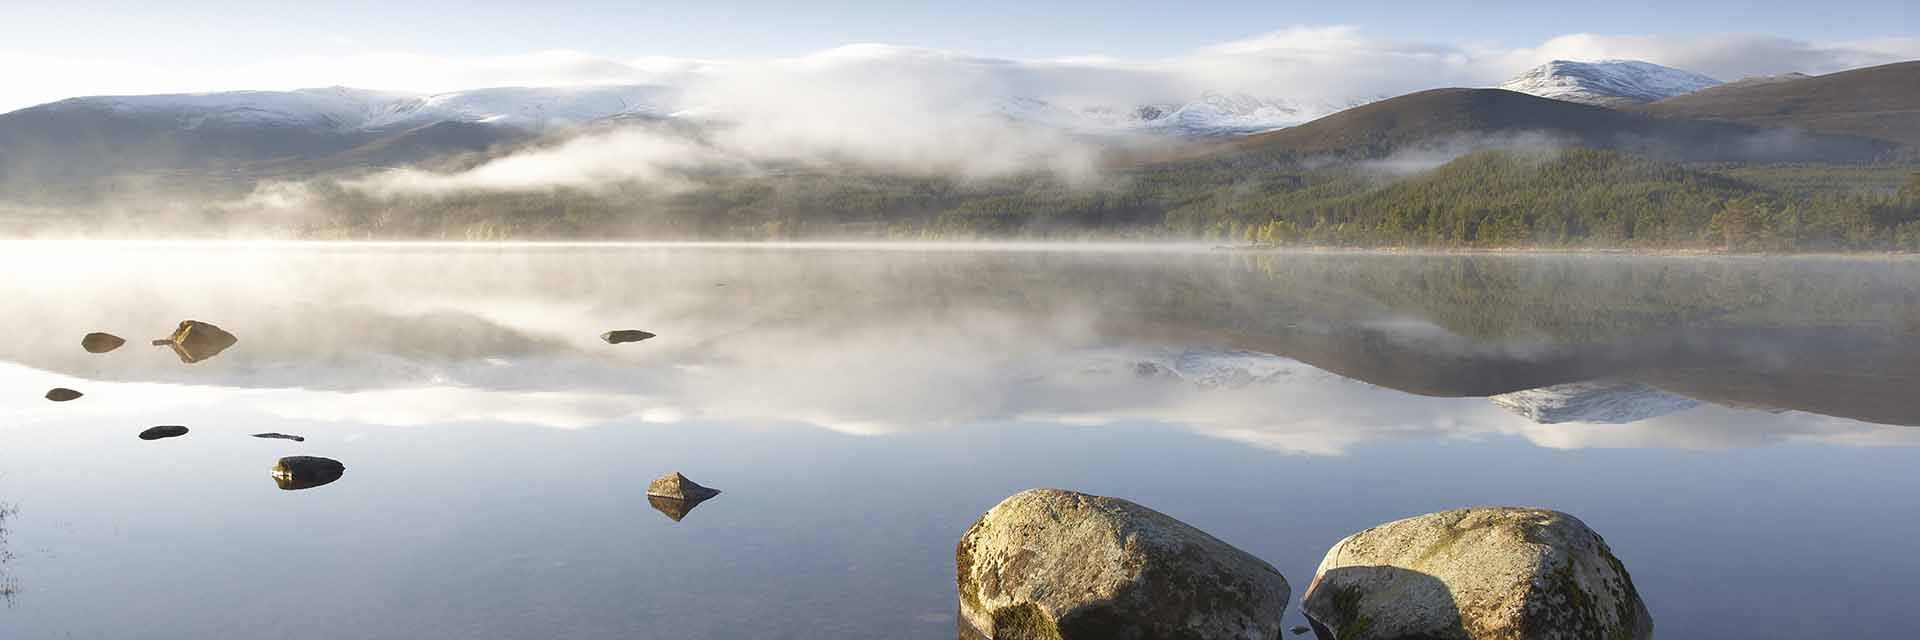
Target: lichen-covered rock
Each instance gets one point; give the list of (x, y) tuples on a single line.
[(101, 342), (678, 487), (294, 473), (620, 336), (63, 394), (163, 432), (195, 341), (1484, 573), (1059, 565)]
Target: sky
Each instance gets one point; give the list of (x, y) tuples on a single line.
[(56, 50)]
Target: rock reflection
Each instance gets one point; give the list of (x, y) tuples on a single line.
[(196, 341), (673, 508), (294, 473)]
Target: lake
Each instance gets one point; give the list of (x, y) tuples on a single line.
[(1741, 430)]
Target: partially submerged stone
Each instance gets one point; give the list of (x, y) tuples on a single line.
[(195, 341), (280, 436), (163, 431), (619, 336), (1475, 574), (676, 496), (63, 394), (101, 342), (293, 473), (1060, 565), (678, 487)]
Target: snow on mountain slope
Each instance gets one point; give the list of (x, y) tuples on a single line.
[(1213, 114), (341, 109), (1595, 402), (1607, 82)]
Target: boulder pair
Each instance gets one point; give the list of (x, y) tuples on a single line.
[(1047, 564)]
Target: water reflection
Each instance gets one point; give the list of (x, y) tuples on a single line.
[(1295, 352)]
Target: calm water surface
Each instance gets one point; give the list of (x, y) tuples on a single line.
[(1741, 430)]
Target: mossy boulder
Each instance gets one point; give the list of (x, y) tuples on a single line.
[(1484, 573), (1048, 564)]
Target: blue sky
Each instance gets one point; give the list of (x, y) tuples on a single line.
[(760, 28), (1326, 51)]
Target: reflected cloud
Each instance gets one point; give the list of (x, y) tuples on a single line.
[(1309, 354)]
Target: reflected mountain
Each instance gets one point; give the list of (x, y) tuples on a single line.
[(1594, 402), (878, 341), (294, 473)]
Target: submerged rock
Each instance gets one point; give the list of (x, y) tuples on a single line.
[(195, 341), (1473, 574), (101, 342), (619, 336), (293, 473), (1594, 402), (163, 432), (280, 436), (63, 394), (1061, 565)]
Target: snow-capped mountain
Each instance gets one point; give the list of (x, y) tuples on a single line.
[(1595, 402), (1212, 114), (1607, 82), (342, 109)]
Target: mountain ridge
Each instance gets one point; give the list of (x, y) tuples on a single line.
[(1607, 82)]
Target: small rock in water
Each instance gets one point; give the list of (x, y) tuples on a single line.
[(678, 487), (101, 342), (676, 496), (1300, 630), (1487, 572), (280, 436), (63, 394), (163, 432), (294, 473), (620, 336), (195, 341), (1061, 565)]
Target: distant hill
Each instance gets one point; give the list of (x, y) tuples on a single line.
[(1879, 102), (1608, 82), (1469, 118)]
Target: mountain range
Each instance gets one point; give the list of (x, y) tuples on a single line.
[(1855, 116)]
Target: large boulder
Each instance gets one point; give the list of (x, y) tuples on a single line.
[(1059, 565), (1484, 573)]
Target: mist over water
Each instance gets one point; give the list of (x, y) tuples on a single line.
[(860, 404)]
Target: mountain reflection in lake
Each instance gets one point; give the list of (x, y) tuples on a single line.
[(1732, 422)]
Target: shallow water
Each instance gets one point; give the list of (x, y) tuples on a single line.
[(1739, 429)]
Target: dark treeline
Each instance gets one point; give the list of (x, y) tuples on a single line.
[(1575, 198)]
